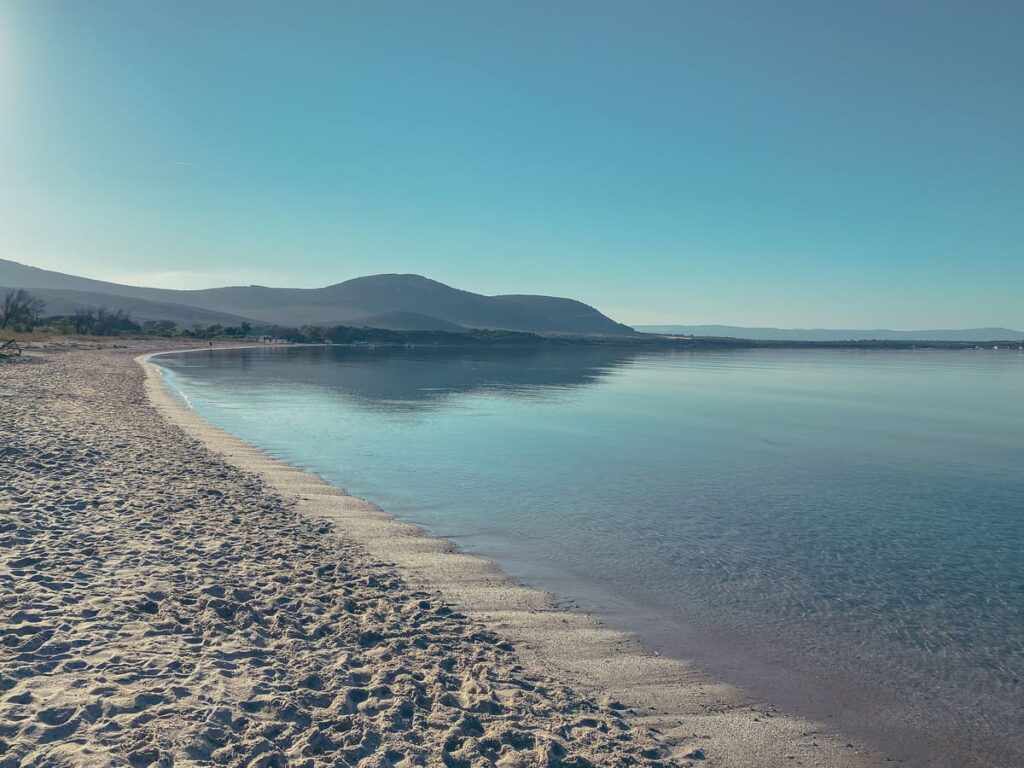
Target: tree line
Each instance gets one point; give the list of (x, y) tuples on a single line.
[(22, 311)]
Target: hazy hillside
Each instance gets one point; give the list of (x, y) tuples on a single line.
[(397, 297), (823, 334), (63, 302), (357, 300)]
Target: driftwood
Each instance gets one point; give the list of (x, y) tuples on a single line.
[(9, 348)]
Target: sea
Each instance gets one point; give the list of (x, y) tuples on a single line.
[(839, 533)]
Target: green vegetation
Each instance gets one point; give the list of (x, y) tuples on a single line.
[(343, 334), (20, 310), (217, 331)]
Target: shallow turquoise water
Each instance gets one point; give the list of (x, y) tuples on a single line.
[(838, 531)]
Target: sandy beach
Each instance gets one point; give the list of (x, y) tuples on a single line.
[(172, 596)]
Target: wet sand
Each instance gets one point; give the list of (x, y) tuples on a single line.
[(173, 596)]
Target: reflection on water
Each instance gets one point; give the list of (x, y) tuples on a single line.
[(840, 530), (416, 378)]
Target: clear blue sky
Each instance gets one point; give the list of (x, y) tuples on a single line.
[(856, 164)]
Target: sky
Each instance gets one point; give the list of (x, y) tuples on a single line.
[(806, 164)]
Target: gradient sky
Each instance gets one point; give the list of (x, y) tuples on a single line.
[(855, 164)]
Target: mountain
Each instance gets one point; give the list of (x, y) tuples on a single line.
[(823, 334), (402, 300), (63, 302)]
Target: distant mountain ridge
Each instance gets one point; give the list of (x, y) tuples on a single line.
[(824, 334), (65, 302), (401, 302)]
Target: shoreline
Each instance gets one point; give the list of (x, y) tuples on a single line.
[(166, 607), (691, 710)]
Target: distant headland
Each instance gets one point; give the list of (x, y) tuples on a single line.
[(402, 309)]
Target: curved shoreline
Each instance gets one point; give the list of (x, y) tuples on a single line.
[(691, 710)]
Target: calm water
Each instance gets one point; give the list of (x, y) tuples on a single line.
[(839, 532)]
